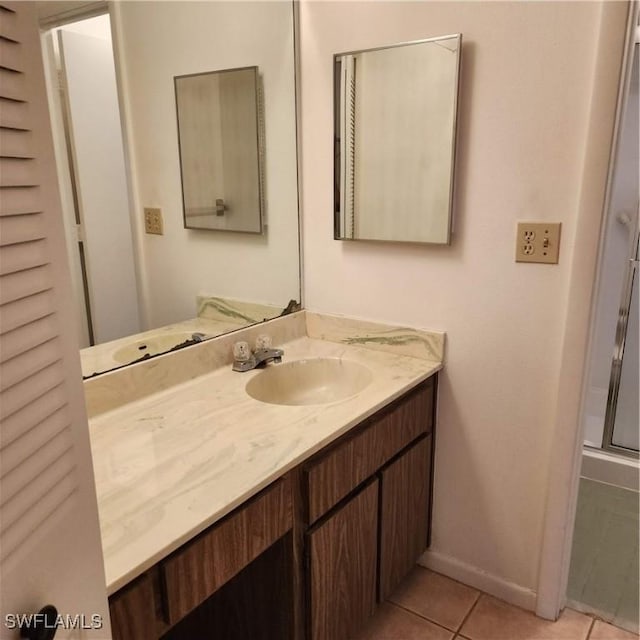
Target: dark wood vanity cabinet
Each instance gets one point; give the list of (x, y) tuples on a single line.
[(404, 508), (199, 568), (368, 507), (342, 569), (220, 575), (310, 556), (132, 610)]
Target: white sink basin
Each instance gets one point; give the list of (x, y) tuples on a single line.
[(153, 346), (314, 381)]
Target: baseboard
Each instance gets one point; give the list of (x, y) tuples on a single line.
[(479, 579)]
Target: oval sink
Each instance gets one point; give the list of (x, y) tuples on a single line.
[(314, 381), (153, 346)]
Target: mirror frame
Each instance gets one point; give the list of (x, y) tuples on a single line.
[(260, 151), (454, 137)]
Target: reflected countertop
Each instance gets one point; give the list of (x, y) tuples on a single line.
[(169, 465), (101, 357)]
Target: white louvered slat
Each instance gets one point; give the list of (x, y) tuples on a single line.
[(32, 414), (21, 201), (16, 144), (21, 228), (12, 85), (14, 115), (16, 531), (31, 492), (23, 312), (28, 457), (48, 510), (23, 255), (14, 457), (11, 54), (23, 366), (15, 286), (12, 343), (11, 27), (20, 395), (17, 172)]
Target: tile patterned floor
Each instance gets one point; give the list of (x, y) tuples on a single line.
[(429, 606), (604, 578)]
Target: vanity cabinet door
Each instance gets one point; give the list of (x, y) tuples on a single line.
[(404, 514), (333, 474), (133, 611), (343, 567)]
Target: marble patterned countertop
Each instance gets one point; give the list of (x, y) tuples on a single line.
[(170, 464)]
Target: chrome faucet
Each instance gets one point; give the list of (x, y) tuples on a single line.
[(245, 360)]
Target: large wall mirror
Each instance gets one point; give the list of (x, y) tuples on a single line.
[(144, 283), (394, 133)]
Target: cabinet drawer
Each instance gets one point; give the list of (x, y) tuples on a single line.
[(352, 460), (202, 566)]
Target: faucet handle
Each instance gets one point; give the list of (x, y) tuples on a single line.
[(263, 341), (241, 351)]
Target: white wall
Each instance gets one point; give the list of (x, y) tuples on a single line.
[(524, 104), (160, 40), (98, 27), (101, 183)]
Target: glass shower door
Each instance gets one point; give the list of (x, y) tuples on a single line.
[(621, 423), (621, 432)]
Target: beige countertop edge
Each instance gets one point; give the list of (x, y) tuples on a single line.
[(133, 545)]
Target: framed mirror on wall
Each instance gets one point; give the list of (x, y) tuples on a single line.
[(394, 141), (220, 138), (145, 282)]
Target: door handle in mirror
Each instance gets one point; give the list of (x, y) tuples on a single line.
[(42, 625), (221, 207)]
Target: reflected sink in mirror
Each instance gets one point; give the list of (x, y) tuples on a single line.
[(314, 381), (150, 346)]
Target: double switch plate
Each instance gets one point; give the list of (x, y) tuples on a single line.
[(538, 242)]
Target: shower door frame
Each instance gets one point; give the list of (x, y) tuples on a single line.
[(618, 355), (632, 271)]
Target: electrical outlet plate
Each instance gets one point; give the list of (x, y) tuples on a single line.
[(153, 220), (538, 242)]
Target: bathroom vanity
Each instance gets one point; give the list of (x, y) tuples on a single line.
[(344, 527), (261, 520)]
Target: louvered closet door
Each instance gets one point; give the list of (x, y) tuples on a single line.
[(49, 535)]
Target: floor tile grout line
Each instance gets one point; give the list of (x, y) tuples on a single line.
[(420, 615), (437, 624), (593, 624), (473, 606), (424, 617)]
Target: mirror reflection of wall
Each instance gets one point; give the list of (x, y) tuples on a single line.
[(395, 134), (184, 282), (93, 181)]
